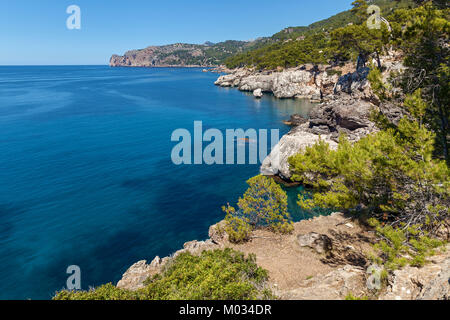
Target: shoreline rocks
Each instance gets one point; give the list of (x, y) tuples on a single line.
[(291, 83), (276, 163)]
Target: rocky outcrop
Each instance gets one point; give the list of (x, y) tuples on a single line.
[(347, 112), (335, 285), (258, 93), (344, 115), (304, 82), (216, 233), (134, 278), (321, 243), (276, 163), (175, 55), (430, 282), (180, 55), (295, 120)]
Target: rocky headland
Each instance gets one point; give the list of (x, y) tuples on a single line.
[(180, 55)]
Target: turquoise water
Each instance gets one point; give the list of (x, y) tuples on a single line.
[(86, 176)]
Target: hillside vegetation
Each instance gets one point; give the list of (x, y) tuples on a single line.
[(331, 40)]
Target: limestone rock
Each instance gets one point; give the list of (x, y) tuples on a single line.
[(319, 242), (257, 93), (439, 287), (295, 120), (134, 277), (290, 144), (335, 285), (430, 282), (216, 233), (355, 83)]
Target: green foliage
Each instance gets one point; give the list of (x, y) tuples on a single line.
[(237, 228), (377, 84), (353, 41), (389, 174), (340, 38), (284, 54), (214, 275), (403, 245), (350, 296), (104, 292), (360, 10), (263, 205), (422, 34)]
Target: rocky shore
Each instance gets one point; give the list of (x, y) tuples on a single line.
[(325, 258)]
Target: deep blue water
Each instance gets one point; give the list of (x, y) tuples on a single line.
[(86, 176)]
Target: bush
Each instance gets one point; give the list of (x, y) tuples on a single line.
[(264, 205), (399, 247), (238, 229), (389, 175), (214, 275)]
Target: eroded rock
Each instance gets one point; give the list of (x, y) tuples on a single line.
[(319, 242)]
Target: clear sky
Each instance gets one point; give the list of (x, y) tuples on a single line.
[(34, 31)]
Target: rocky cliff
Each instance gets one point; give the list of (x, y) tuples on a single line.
[(347, 104), (181, 55)]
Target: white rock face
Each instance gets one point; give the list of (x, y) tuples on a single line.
[(257, 93), (332, 286), (135, 276), (277, 161), (251, 83), (292, 83)]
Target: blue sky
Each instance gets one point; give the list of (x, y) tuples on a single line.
[(33, 32)]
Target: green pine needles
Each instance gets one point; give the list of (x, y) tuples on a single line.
[(264, 205), (214, 275)]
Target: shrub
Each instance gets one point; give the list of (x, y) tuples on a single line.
[(399, 247), (389, 175), (237, 228), (214, 275), (263, 205)]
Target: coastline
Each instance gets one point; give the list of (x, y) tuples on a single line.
[(325, 257)]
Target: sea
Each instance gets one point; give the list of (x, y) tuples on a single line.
[(87, 177)]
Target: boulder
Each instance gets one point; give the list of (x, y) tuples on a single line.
[(276, 163), (439, 287), (319, 242), (257, 93), (295, 120), (217, 234)]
